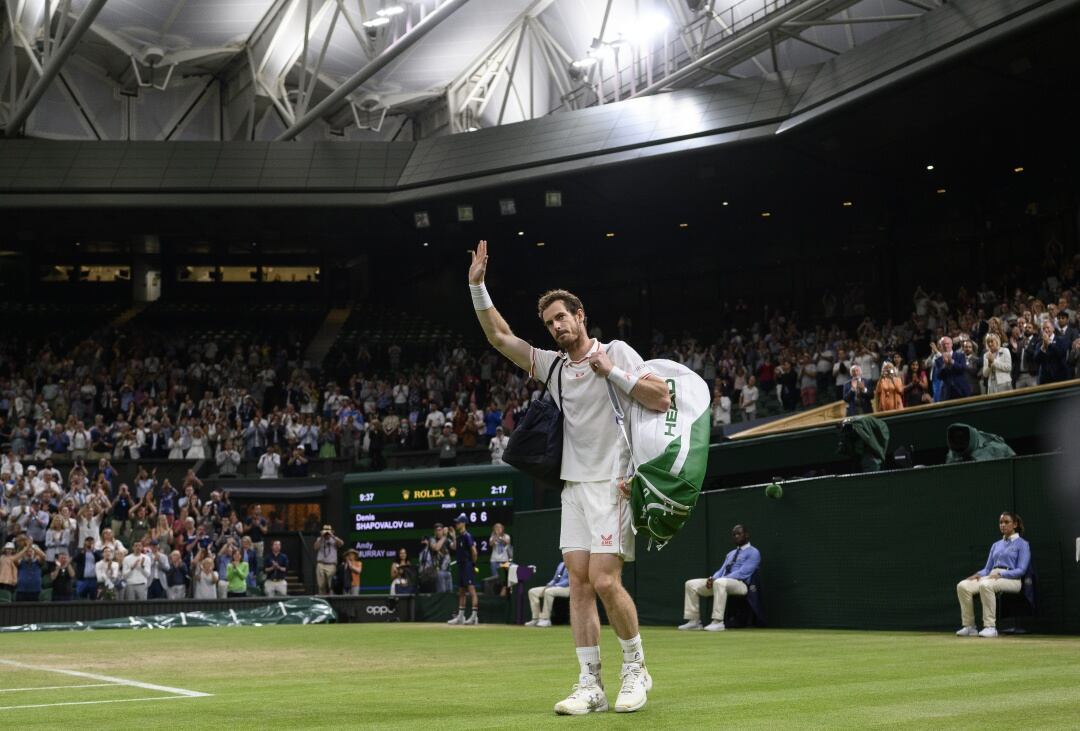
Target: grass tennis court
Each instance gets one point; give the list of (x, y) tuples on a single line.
[(397, 676)]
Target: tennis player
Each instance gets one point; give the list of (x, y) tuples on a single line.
[(596, 537)]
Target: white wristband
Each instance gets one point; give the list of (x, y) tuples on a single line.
[(481, 300), (622, 380)]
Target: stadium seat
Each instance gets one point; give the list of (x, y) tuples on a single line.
[(1024, 605)]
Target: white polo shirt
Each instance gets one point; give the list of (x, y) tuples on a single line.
[(593, 448)]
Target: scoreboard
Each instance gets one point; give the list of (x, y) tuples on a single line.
[(384, 518)]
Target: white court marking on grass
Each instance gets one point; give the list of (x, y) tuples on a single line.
[(106, 680), (57, 687)]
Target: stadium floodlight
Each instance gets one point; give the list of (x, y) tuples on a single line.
[(464, 214), (646, 28), (507, 207), (585, 63), (390, 10), (376, 21), (553, 199), (421, 219)]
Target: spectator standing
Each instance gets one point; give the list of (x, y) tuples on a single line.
[(326, 550), (63, 579), (31, 560), (228, 460), (498, 445), (159, 571), (276, 566), (972, 366), (401, 574), (86, 571), (857, 393), (354, 567), (916, 386), (447, 446), (748, 399), (948, 375), (442, 543), (9, 568), (1051, 354), (204, 578), (237, 574), (136, 574), (889, 391), (270, 464), (501, 550), (108, 575), (1023, 346), (176, 577), (997, 365), (256, 527)]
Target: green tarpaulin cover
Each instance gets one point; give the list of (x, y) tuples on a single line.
[(302, 610)]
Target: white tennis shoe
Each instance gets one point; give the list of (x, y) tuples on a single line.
[(636, 683), (544, 623), (587, 696), (715, 626), (967, 632), (691, 625), (531, 622), (458, 619)]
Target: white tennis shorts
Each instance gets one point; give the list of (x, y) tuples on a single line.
[(596, 518)]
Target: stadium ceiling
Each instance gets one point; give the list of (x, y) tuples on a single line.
[(388, 69)]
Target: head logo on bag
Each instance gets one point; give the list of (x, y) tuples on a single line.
[(670, 450)]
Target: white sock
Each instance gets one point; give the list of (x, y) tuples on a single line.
[(589, 659), (632, 650)]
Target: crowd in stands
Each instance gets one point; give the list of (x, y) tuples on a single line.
[(82, 403)]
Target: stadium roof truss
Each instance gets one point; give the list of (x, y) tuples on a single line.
[(388, 69)]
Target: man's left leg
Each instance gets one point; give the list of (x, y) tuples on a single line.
[(605, 575), (474, 618)]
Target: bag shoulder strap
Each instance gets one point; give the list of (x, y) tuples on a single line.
[(559, 361)]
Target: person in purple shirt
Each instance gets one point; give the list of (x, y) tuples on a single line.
[(733, 577), (465, 547), (1005, 569)]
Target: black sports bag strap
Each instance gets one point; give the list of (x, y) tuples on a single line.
[(547, 383)]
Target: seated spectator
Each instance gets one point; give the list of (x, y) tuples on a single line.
[(558, 586), (1005, 568), (997, 366), (889, 392), (731, 578), (63, 579), (276, 566), (1051, 354), (857, 393)]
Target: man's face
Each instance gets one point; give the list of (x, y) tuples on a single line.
[(276, 547), (1047, 329), (739, 536), (565, 328)]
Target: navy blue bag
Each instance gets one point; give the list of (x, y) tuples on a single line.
[(535, 445)]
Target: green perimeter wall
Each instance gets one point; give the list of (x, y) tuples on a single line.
[(878, 551)]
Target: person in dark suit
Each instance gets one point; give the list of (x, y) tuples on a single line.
[(949, 372), (857, 393), (157, 442), (1050, 354), (1066, 330)]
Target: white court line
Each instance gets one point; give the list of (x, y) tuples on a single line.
[(92, 703), (109, 679), (57, 687)]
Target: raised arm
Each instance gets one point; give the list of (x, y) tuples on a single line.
[(496, 330)]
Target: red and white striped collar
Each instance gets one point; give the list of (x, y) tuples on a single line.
[(592, 349)]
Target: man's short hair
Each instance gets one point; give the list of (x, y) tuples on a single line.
[(569, 300)]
